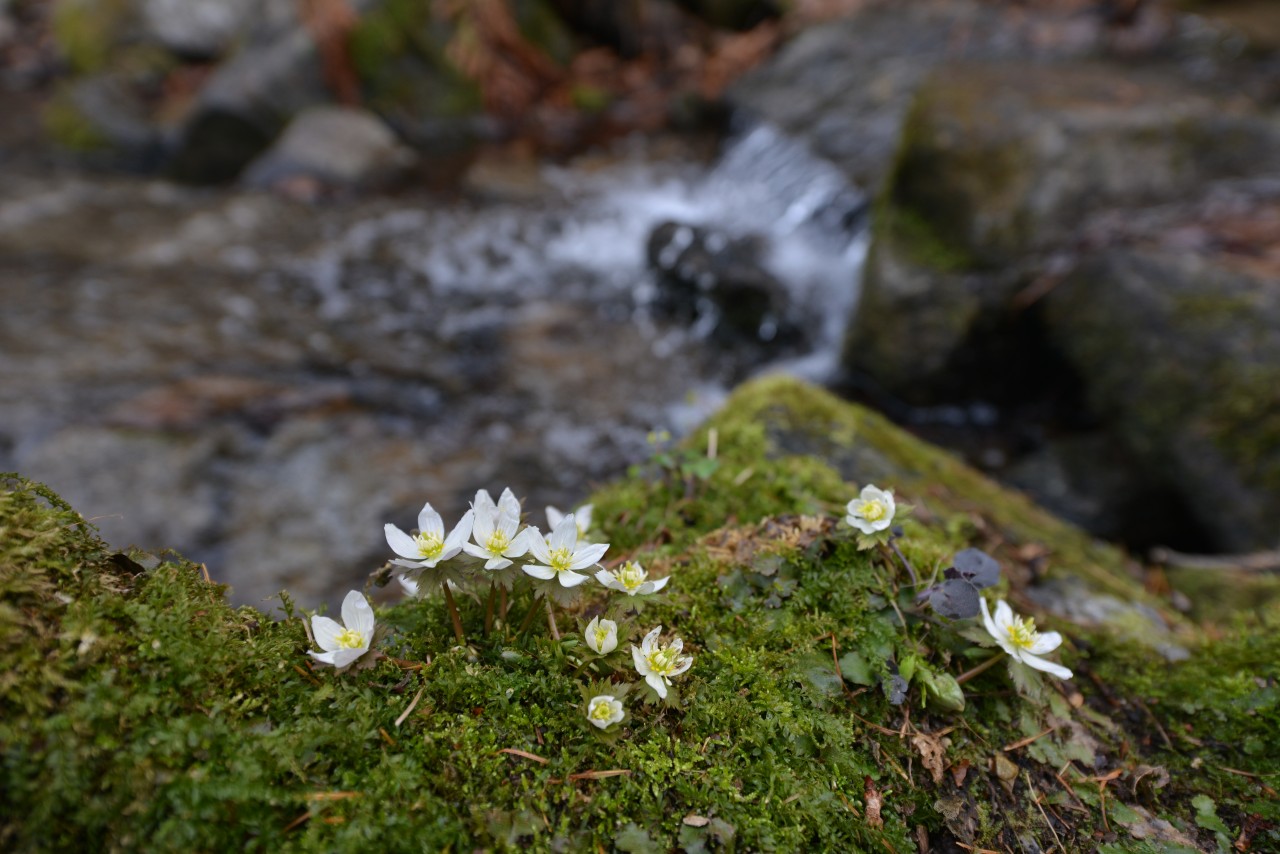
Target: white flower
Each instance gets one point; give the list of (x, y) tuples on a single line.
[(1019, 638), (582, 514), (602, 636), (604, 711), (494, 530), (872, 511), (631, 579), (430, 546), (560, 555), (658, 663), (409, 586), (342, 646)]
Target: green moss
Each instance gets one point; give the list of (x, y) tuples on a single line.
[(86, 30), (68, 127), (137, 705)]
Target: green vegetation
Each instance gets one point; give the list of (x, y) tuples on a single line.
[(139, 709)]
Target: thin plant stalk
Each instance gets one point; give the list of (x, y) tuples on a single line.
[(528, 618), (488, 609), (981, 668), (453, 613), (551, 621)]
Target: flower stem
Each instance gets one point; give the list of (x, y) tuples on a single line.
[(981, 668), (911, 570), (488, 609), (528, 618), (551, 621), (453, 612)]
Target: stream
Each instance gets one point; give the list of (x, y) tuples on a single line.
[(261, 383)]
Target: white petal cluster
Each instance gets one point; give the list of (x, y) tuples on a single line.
[(631, 579), (604, 711), (343, 644), (495, 531), (660, 663), (581, 514), (602, 636), (560, 555), (872, 510), (1018, 637), (430, 545)]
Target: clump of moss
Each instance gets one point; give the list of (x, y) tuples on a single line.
[(139, 708)]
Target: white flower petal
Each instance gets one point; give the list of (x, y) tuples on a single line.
[(400, 542), (642, 665), (553, 517), (536, 545), (1003, 617), (589, 555), (583, 514), (357, 615), (870, 493), (326, 632), (564, 535), (650, 639), (987, 622), (476, 551), (682, 665), (568, 578), (658, 583), (345, 657), (509, 505), (484, 520), (408, 564), (658, 684), (537, 570), (1047, 666), (483, 499), (608, 579), (497, 563), (460, 534), (429, 521), (323, 657), (1045, 642)]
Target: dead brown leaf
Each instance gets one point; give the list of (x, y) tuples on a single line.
[(874, 803), (933, 752)]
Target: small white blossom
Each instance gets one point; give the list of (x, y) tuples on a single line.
[(494, 530), (604, 711), (582, 514), (657, 663), (430, 545), (559, 555), (631, 579), (342, 645), (1018, 637), (871, 511), (602, 636)]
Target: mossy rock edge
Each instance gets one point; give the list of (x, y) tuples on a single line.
[(139, 710)]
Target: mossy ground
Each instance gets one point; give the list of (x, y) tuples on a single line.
[(141, 711)]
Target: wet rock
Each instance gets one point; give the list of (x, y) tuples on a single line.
[(204, 29), (105, 117), (709, 276), (341, 148), (995, 172), (1179, 354)]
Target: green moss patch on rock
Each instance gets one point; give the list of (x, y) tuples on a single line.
[(140, 709)]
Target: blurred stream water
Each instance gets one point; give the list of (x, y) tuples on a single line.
[(261, 383)]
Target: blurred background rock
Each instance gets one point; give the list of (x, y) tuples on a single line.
[(276, 272)]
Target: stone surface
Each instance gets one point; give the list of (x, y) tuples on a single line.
[(340, 147), (1180, 353)]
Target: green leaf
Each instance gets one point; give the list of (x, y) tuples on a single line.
[(634, 839), (944, 691), (854, 668), (1207, 814)]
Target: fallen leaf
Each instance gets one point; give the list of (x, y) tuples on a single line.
[(933, 751), (696, 820), (874, 802)]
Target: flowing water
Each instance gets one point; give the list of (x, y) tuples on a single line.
[(261, 384)]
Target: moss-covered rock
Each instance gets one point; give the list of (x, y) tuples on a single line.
[(1180, 351), (139, 709)]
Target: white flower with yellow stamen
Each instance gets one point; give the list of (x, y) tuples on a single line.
[(559, 555), (494, 530), (872, 510), (604, 711), (659, 663), (602, 636), (582, 514), (430, 545), (343, 644), (1018, 637), (631, 579)]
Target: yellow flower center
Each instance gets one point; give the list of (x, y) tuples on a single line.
[(430, 546), (602, 635), (600, 711), (1022, 633), (631, 576), (662, 661), (874, 511), (561, 559), (349, 639), (497, 543)]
